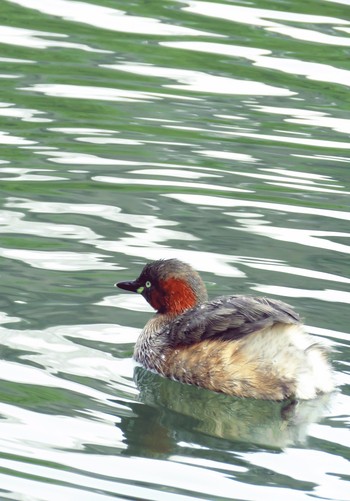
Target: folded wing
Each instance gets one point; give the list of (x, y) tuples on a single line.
[(229, 318)]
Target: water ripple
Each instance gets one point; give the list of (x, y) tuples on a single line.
[(314, 71), (325, 470), (27, 115), (59, 260), (212, 132), (38, 39), (198, 81), (101, 93), (323, 143), (254, 16), (225, 202), (107, 18)]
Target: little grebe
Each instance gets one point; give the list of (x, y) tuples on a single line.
[(239, 345)]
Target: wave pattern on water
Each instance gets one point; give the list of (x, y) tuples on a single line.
[(213, 132)]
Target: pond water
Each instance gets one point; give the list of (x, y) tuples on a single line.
[(214, 132)]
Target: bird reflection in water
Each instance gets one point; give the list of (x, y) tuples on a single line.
[(173, 412)]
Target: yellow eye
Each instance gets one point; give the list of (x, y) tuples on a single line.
[(148, 284)]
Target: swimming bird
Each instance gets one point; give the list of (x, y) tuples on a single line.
[(252, 347)]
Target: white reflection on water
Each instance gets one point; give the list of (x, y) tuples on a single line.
[(109, 140), (229, 202), (147, 244), (104, 136), (20, 174), (329, 333), (65, 157), (339, 436), (302, 175), (280, 267), (162, 120), (329, 295), (126, 302), (101, 93), (199, 81), (152, 236), (310, 238), (309, 188), (37, 39), (182, 174), (220, 264), (337, 124), (323, 143), (59, 260), (7, 75), (228, 155), (343, 2), (107, 18), (56, 353), (253, 16), (6, 319), (309, 117), (140, 477), (300, 181), (109, 212), (133, 142), (54, 490), (15, 60), (12, 222), (25, 114), (313, 71), (25, 374), (70, 158), (323, 157), (83, 130), (6, 138), (161, 182), (36, 429), (219, 48), (310, 35), (321, 468)]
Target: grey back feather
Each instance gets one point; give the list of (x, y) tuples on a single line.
[(228, 318)]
